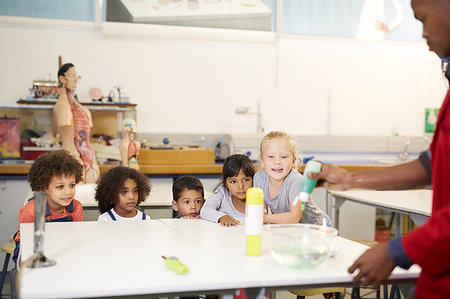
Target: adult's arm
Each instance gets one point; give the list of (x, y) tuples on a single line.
[(427, 246), (402, 176)]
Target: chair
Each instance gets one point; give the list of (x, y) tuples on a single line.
[(8, 248)]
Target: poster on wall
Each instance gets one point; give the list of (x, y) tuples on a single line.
[(9, 137)]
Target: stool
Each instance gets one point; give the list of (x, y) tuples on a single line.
[(311, 292), (8, 248)]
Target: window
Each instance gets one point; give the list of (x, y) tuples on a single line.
[(79, 10), (351, 18), (226, 14)]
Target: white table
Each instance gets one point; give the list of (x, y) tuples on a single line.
[(416, 203), (124, 258)]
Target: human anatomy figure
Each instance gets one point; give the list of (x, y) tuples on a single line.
[(74, 123), (129, 147), (371, 23)]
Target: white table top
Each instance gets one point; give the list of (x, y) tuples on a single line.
[(264, 270), (417, 201), (124, 258)]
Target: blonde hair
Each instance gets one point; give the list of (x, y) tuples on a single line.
[(283, 136)]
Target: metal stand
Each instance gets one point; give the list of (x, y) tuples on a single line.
[(40, 204)]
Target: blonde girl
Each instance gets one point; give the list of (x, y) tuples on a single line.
[(280, 182)]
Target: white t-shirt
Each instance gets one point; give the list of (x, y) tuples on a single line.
[(107, 217)]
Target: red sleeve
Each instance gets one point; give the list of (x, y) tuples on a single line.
[(26, 215), (429, 245), (77, 211)]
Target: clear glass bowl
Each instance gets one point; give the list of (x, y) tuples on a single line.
[(301, 245)]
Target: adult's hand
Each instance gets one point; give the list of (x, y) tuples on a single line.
[(332, 178), (374, 266)]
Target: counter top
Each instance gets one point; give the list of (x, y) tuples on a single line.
[(23, 169)]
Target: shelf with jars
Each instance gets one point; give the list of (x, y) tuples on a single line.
[(36, 120)]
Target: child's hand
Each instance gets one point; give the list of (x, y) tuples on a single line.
[(228, 221), (190, 217)]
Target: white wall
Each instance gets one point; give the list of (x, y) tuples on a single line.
[(306, 86)]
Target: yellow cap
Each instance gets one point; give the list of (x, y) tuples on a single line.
[(254, 196), (254, 245)]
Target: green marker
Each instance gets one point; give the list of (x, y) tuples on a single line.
[(174, 264)]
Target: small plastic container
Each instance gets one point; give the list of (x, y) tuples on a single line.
[(301, 245)]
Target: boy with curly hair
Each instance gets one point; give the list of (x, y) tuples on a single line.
[(55, 173), (119, 193)]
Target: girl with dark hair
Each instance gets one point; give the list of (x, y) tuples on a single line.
[(119, 193), (227, 204), (74, 123)]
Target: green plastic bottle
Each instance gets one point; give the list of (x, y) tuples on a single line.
[(308, 184)]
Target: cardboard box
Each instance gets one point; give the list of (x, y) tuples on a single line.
[(176, 156)]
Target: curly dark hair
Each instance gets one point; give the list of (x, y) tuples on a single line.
[(111, 182), (54, 163)]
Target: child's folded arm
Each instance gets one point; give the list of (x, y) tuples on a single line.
[(293, 216), (210, 208), (210, 213)]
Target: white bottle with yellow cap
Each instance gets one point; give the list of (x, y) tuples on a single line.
[(254, 220)]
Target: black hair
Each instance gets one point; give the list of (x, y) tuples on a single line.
[(51, 164), (63, 70), (233, 165), (186, 183), (111, 182)]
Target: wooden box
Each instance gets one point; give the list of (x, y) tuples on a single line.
[(177, 156)]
